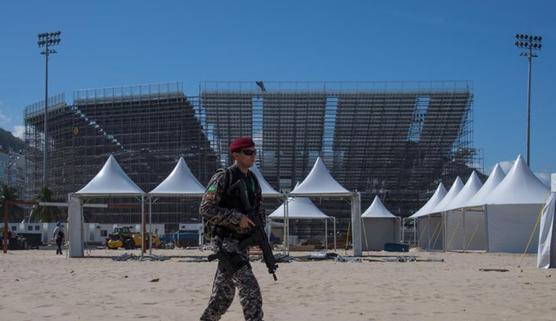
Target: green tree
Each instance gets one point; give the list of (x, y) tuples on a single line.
[(8, 194), (46, 213)]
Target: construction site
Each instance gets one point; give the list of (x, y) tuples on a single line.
[(397, 140)]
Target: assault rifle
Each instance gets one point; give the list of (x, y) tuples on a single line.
[(258, 235)]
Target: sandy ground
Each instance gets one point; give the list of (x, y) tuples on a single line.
[(38, 285)]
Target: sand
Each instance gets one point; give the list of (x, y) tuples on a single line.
[(38, 285)]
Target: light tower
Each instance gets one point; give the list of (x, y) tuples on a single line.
[(47, 40)]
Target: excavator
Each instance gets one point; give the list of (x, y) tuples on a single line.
[(124, 237)]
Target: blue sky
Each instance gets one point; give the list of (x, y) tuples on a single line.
[(119, 43)]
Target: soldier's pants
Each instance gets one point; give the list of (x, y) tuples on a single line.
[(223, 291), (59, 242)]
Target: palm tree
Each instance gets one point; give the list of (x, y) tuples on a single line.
[(7, 194), (46, 213)]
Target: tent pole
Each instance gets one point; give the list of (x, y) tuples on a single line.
[(142, 225), (286, 226), (334, 220), (356, 222), (464, 230), (365, 235), (485, 215), (402, 220), (402, 234), (396, 237), (444, 220), (75, 220), (150, 225), (429, 232), (326, 234), (415, 231)]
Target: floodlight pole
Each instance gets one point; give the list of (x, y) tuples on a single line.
[(46, 40), (530, 43), (529, 72)]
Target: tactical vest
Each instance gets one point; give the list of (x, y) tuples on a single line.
[(231, 198)]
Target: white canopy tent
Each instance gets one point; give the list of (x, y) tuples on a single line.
[(436, 198), (180, 183), (450, 196), (319, 183), (433, 239), (111, 181), (380, 226), (546, 255), (267, 190), (454, 218), (434, 219), (496, 177), (512, 208), (303, 209), (421, 226), (474, 228)]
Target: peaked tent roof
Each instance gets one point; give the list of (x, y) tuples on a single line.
[(266, 189), (299, 208), (495, 177), (520, 186), (471, 187), (452, 193), (432, 202), (320, 182), (180, 182), (377, 210), (111, 180)]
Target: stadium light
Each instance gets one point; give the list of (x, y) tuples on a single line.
[(47, 40), (530, 43)]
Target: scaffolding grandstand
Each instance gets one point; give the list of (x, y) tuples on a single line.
[(393, 139), (147, 128)]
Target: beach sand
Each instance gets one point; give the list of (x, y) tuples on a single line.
[(38, 285)]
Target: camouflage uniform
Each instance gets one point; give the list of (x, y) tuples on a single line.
[(220, 208)]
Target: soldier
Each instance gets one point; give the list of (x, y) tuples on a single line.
[(225, 213)]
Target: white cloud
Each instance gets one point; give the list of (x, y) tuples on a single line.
[(19, 131), (4, 119)]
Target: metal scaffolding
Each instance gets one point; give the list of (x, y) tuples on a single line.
[(146, 127), (394, 139)]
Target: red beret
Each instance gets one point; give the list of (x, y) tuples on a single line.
[(241, 143)]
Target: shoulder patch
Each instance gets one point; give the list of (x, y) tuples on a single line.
[(212, 188)]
